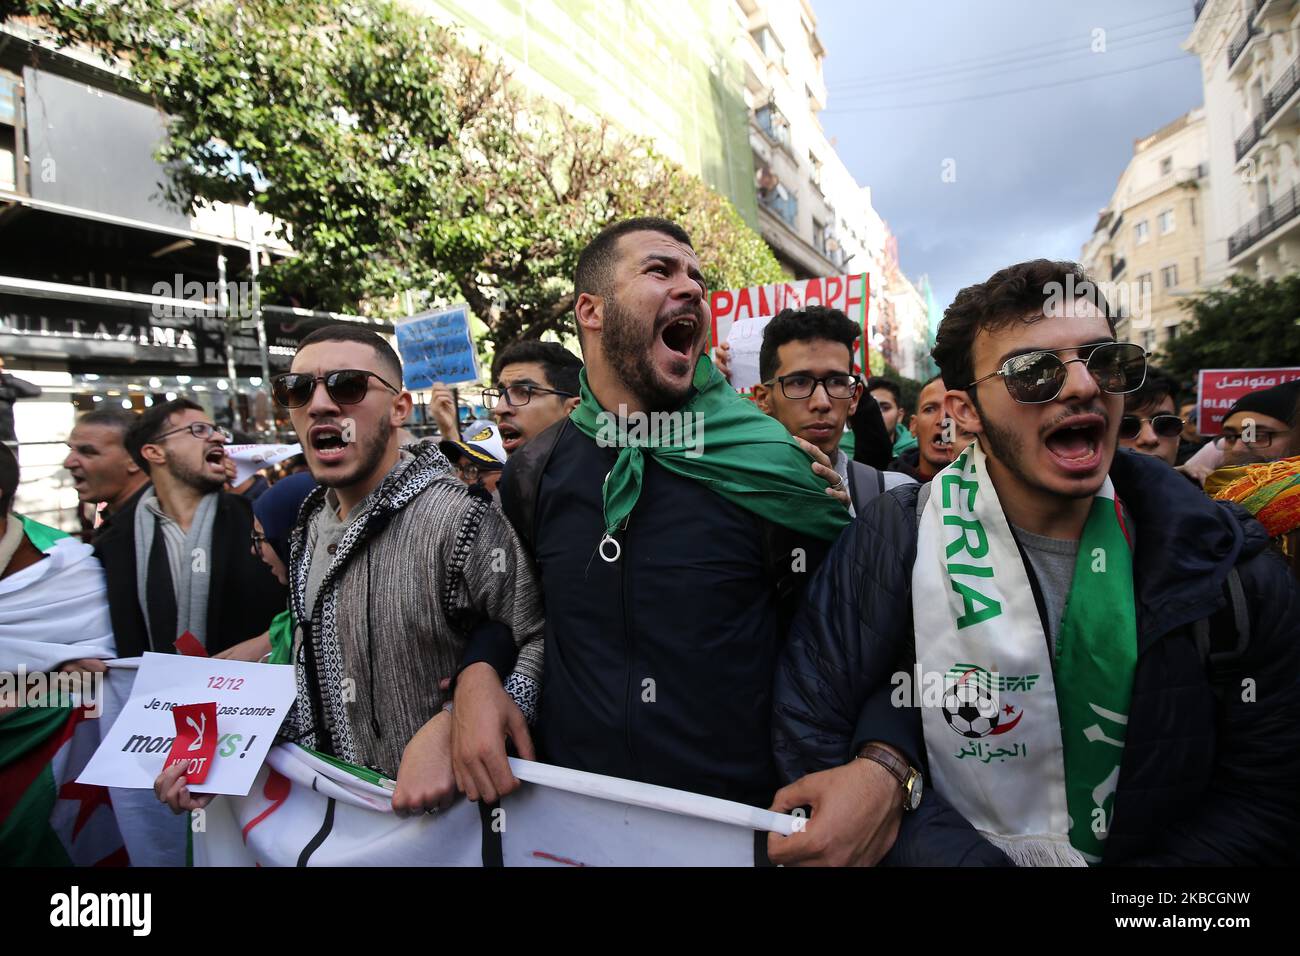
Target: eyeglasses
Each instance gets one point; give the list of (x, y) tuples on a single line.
[(1164, 425), (1263, 438), (517, 395), (471, 473), (200, 430), (1037, 377), (345, 386), (802, 386), (258, 539)]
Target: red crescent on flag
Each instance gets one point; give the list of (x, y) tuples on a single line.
[(1003, 728)]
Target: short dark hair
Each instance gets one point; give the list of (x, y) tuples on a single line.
[(1158, 386), (559, 365), (8, 479), (148, 425), (118, 418), (352, 332), (1019, 293), (596, 260), (816, 322), (889, 385)]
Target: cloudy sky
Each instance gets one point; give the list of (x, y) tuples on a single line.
[(1037, 125)]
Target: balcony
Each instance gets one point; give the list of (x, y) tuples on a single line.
[(1275, 215), (781, 203), (1117, 268), (1114, 226), (1275, 100), (1196, 11), (1247, 140), (774, 126), (1239, 43)]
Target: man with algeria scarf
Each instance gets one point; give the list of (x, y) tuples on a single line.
[(1060, 595)]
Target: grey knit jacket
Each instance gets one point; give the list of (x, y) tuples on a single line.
[(380, 638)]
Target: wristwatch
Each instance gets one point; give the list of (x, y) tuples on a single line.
[(908, 777)]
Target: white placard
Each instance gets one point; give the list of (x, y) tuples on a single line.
[(746, 339), (252, 700), (250, 459)]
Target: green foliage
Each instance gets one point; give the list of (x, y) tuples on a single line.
[(1243, 324), (394, 157)]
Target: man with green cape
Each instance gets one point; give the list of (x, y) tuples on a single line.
[(673, 525)]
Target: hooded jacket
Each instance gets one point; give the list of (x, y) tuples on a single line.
[(1211, 767)]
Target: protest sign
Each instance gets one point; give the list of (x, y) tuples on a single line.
[(250, 459), (251, 701), (850, 294), (559, 817), (746, 340), (437, 347), (1217, 390)]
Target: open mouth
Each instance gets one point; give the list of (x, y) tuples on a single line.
[(216, 456), (327, 442), (510, 437), (1075, 443), (680, 333)]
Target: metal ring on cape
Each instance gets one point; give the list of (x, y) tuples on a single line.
[(618, 548)]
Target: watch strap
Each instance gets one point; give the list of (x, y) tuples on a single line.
[(899, 768)]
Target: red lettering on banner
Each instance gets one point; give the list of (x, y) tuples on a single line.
[(762, 301), (813, 291), (744, 307), (832, 298), (720, 303)]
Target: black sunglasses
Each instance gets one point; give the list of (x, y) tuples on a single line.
[(1037, 377), (1164, 425), (346, 386)]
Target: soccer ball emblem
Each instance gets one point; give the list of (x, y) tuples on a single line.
[(970, 709)]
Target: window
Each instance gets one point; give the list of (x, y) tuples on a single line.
[(1166, 222), (1144, 282), (8, 131), (1149, 339), (1196, 270), (770, 45), (1171, 332), (1191, 208), (1140, 232), (1169, 276), (1166, 166)]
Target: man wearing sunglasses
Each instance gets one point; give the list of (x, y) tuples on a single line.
[(1077, 613), (399, 581), (1150, 425)]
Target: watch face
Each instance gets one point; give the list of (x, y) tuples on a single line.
[(914, 792)]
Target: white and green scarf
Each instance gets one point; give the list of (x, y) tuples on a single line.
[(1026, 745)]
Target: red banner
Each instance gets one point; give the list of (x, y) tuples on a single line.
[(1217, 390)]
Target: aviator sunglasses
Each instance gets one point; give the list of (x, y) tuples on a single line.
[(1037, 377), (346, 386), (1165, 425)]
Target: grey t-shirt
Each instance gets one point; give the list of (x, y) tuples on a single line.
[(1053, 561), (327, 533)]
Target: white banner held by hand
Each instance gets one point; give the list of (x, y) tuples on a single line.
[(251, 699), (250, 459)]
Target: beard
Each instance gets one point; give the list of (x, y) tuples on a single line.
[(370, 455), (1007, 445), (626, 344), (198, 479)]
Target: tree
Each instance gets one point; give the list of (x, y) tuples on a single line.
[(394, 157), (1243, 324)]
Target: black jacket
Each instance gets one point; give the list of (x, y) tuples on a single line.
[(243, 597), (659, 666), (1201, 782)]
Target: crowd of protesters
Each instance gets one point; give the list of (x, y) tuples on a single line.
[(730, 618)]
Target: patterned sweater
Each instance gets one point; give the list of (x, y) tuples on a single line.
[(420, 563)]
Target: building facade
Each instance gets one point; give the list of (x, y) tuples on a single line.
[(1250, 70), (1148, 248), (109, 295)]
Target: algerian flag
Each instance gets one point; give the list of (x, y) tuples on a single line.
[(305, 810), (46, 817)]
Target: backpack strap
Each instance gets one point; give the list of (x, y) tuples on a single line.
[(866, 484), (1222, 648)]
